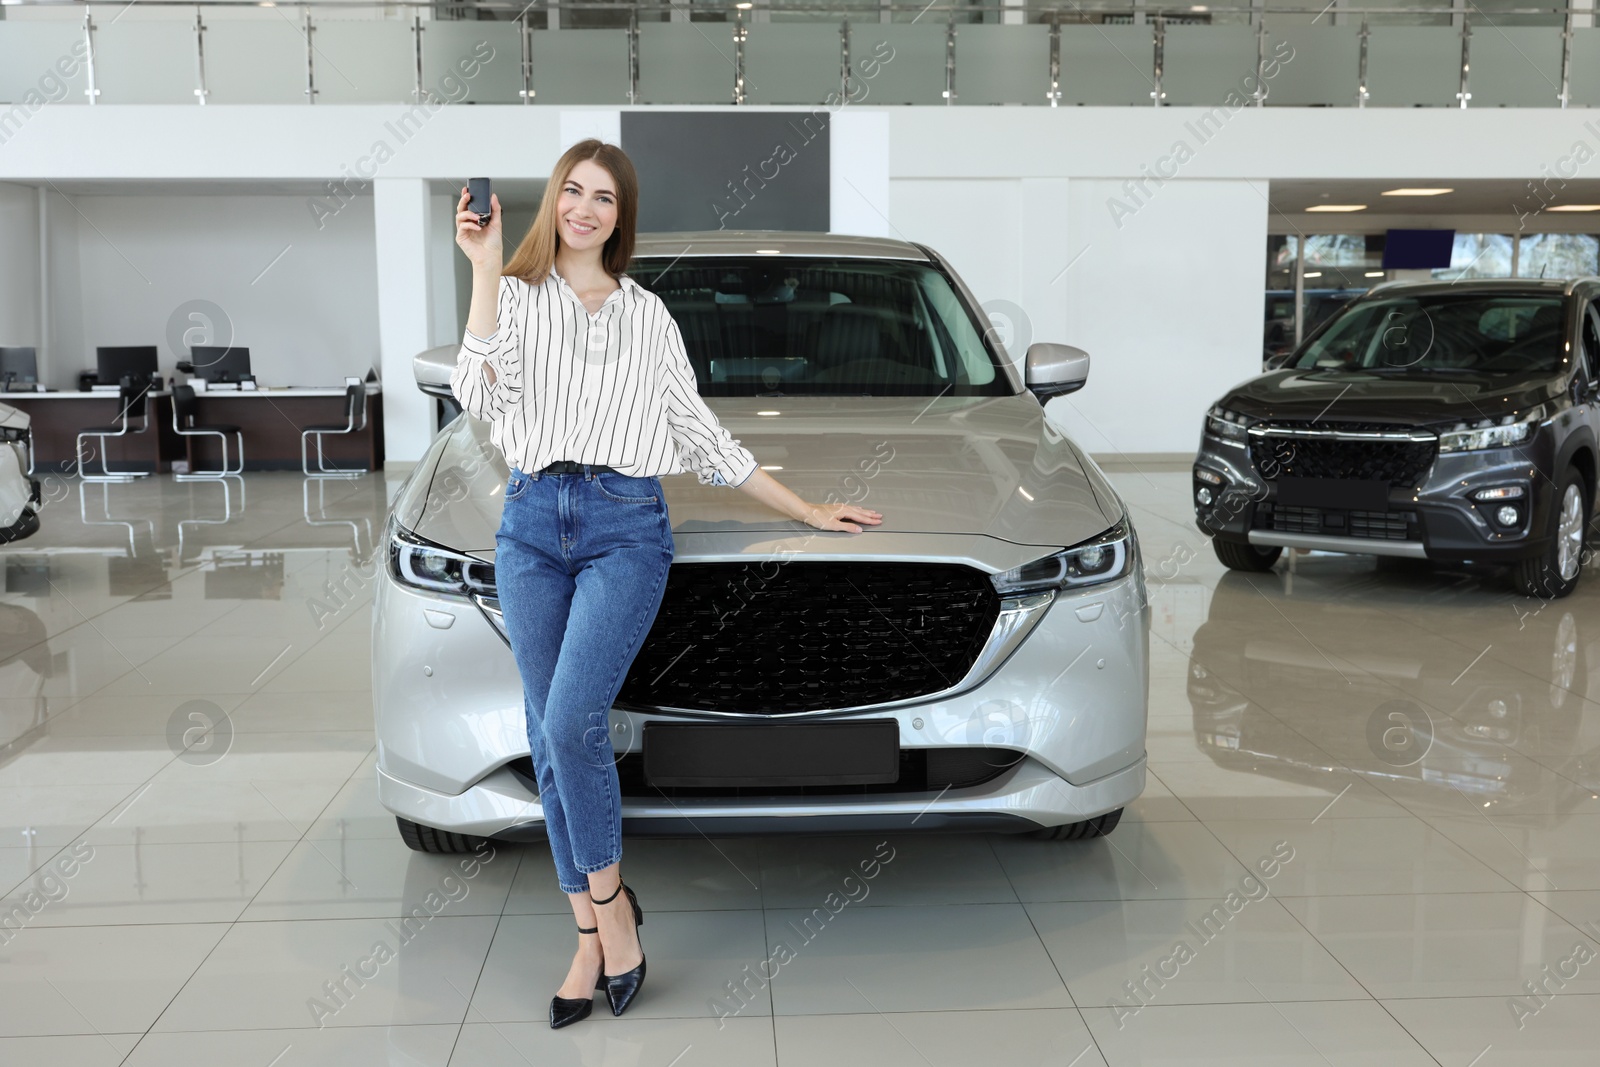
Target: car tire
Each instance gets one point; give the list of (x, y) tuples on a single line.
[(1099, 826), (1238, 556), (1554, 573), (421, 838)]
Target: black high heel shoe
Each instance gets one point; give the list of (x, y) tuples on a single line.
[(622, 988), (564, 1012)]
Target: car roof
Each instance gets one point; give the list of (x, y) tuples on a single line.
[(1551, 286), (691, 243)]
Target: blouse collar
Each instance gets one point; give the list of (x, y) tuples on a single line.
[(625, 281)]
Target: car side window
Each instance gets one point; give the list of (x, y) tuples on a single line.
[(1589, 343)]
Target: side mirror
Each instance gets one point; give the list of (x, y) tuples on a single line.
[(433, 369), (1054, 370)]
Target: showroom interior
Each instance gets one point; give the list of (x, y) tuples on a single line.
[(1214, 690)]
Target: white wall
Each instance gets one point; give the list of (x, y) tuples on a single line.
[(124, 268), (19, 265)]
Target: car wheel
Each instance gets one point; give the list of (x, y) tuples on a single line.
[(421, 838), (1079, 831), (1237, 556), (1554, 573)]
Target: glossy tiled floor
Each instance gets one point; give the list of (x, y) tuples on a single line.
[(1371, 836)]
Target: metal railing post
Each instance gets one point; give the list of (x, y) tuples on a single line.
[(1466, 54), (308, 28), (950, 59), (1260, 94), (1361, 74), (526, 37), (416, 33), (633, 56), (1054, 95), (1566, 61), (200, 54), (740, 31), (93, 92), (844, 58), (1158, 94)]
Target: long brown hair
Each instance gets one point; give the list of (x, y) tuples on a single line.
[(537, 253)]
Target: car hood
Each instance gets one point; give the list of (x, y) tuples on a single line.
[(1355, 396), (993, 467)]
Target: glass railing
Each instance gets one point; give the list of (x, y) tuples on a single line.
[(1348, 53)]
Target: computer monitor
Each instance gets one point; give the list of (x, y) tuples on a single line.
[(126, 361), (220, 363), (18, 364)]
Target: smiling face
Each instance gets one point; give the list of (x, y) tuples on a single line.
[(586, 213)]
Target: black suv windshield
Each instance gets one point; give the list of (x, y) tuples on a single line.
[(1472, 333), (822, 326)]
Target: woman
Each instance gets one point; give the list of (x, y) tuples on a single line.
[(583, 376)]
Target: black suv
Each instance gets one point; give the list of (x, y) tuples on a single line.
[(1453, 422)]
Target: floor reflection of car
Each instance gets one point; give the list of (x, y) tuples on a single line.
[(1454, 422), (1517, 733), (915, 675)]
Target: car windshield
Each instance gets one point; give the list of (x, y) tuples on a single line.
[(823, 326), (1509, 334)]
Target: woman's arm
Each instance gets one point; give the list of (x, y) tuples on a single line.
[(780, 498), (488, 375)]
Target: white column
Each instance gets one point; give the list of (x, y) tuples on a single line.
[(401, 218), (858, 172), (1584, 21), (1015, 12)]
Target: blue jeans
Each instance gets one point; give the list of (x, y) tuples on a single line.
[(581, 565)]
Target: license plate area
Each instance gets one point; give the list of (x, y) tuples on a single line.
[(1354, 494), (733, 754)]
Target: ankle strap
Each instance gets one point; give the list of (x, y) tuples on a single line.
[(595, 930), (609, 899)]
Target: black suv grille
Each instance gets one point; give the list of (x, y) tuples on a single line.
[(1376, 525), (777, 637), (1403, 464)]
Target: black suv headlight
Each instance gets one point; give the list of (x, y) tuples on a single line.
[(1099, 559), (1482, 434), (421, 564), (1228, 425)]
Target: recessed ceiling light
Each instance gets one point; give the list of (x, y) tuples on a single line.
[(1312, 274), (1416, 192), (1374, 274), (768, 252), (1574, 207), (1337, 207), (771, 467), (766, 413)]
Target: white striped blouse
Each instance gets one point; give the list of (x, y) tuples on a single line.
[(614, 387)]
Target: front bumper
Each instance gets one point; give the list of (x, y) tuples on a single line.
[(1070, 697), (1440, 520)]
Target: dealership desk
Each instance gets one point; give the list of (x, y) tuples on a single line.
[(270, 419)]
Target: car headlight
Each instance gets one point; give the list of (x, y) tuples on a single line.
[(1099, 559), (422, 564), (1474, 437), (1229, 425)]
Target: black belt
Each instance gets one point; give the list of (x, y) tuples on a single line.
[(567, 466)]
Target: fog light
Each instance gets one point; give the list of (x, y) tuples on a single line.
[(1204, 496), (1507, 516)]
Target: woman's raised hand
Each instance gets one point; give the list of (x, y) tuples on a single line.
[(481, 243)]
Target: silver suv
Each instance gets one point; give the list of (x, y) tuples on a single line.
[(979, 661)]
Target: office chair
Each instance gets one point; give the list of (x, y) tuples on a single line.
[(355, 408), (185, 409), (130, 396)]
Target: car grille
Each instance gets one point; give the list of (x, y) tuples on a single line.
[(1376, 525), (772, 638), (922, 770), (1402, 464)]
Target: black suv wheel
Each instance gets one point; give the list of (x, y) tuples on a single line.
[(1242, 557), (1555, 572)]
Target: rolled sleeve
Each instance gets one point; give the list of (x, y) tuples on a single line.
[(704, 444), (501, 352)]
